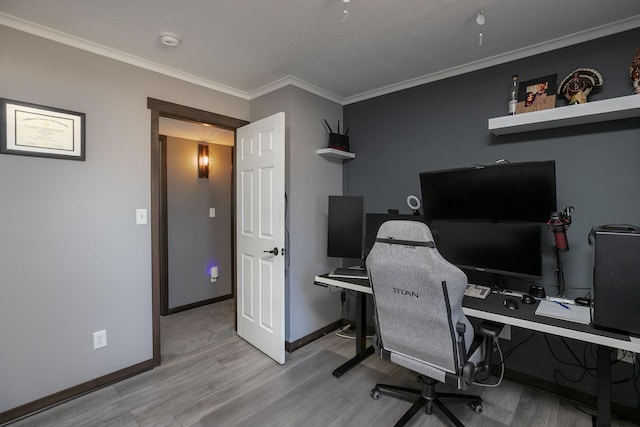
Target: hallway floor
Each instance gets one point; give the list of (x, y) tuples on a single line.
[(187, 331)]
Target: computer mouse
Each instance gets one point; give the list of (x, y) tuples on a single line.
[(528, 299), (511, 304)]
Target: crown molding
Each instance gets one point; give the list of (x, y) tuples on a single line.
[(294, 81), (98, 49), (583, 36)]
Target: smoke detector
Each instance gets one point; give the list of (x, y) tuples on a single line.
[(169, 39)]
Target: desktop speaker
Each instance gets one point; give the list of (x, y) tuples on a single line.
[(616, 279)]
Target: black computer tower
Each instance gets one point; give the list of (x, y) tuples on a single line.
[(616, 279)]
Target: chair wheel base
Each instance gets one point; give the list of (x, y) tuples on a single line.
[(375, 393), (476, 406)]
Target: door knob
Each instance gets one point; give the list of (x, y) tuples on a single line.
[(272, 251)]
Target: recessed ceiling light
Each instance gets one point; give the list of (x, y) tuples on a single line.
[(169, 39)]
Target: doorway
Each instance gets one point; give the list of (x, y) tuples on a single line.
[(158, 215), (198, 210)]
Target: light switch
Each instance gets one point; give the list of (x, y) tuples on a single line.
[(212, 212), (141, 216)]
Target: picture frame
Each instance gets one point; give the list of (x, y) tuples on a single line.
[(28, 129), (537, 94)]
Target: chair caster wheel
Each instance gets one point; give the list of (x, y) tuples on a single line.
[(375, 393), (476, 406)]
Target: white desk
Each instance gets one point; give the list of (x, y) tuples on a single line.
[(525, 317)]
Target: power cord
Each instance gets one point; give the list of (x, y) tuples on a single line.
[(513, 348), (635, 375), (347, 332), (501, 364)]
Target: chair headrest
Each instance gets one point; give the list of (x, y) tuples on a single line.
[(406, 231)]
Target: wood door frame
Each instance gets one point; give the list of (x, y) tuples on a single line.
[(158, 198)]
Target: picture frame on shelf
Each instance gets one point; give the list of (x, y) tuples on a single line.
[(537, 94), (28, 129)]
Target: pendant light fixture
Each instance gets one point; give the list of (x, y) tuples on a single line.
[(480, 19)]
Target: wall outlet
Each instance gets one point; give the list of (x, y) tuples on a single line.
[(626, 356), (100, 339)]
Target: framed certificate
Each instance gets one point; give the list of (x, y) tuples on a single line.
[(34, 130)]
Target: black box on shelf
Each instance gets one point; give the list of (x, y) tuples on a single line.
[(339, 142)]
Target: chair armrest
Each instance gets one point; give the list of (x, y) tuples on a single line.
[(490, 329), (484, 337), (462, 358)]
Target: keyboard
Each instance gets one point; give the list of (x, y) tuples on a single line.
[(349, 273), (477, 291)]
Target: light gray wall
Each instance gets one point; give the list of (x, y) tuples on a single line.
[(444, 125), (310, 180), (72, 259), (196, 241)]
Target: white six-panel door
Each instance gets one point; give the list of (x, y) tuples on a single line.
[(260, 210)]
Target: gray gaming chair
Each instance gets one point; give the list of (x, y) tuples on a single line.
[(419, 319)]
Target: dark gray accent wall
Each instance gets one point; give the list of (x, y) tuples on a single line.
[(444, 125), (197, 241)]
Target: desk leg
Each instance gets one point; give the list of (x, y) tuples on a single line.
[(361, 324), (362, 351), (603, 387)]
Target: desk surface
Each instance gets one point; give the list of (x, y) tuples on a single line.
[(355, 284), (492, 308), (525, 317)]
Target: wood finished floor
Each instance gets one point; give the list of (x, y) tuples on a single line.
[(232, 384)]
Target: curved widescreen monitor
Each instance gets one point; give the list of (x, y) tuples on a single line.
[(512, 249), (504, 192)]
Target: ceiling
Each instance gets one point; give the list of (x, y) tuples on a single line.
[(196, 131), (250, 47)]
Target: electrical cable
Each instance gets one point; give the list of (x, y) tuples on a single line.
[(531, 282), (636, 389), (342, 333), (635, 375), (287, 259), (513, 348), (336, 289), (346, 12), (580, 364), (586, 370), (501, 364)]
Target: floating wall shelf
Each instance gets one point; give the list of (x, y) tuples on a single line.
[(336, 154), (570, 115)]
